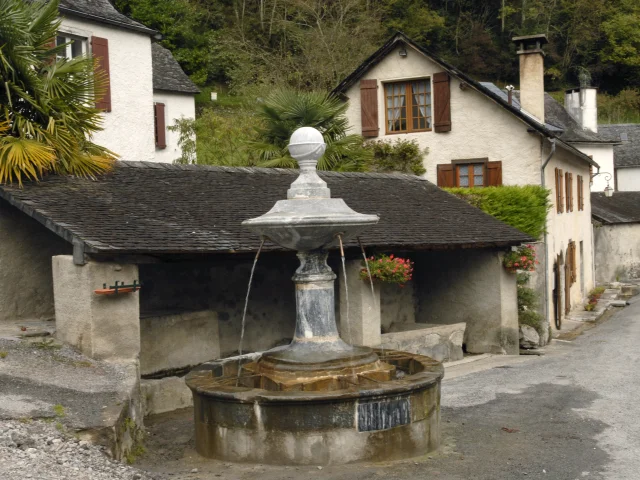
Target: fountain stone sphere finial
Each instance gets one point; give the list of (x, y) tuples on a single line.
[(307, 146)]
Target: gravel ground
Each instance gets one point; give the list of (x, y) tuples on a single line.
[(39, 450)]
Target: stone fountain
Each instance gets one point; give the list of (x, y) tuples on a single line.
[(318, 400)]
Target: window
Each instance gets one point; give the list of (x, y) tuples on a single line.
[(568, 177), (470, 175), (580, 187), (74, 46), (473, 172), (559, 191), (408, 106), (571, 260)]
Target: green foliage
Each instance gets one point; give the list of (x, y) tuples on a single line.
[(621, 108), (284, 111), (523, 258), (597, 291), (528, 304), (59, 411), (253, 46), (3, 354), (220, 139), (400, 156), (47, 116), (522, 207)]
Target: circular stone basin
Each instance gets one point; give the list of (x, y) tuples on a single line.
[(390, 411)]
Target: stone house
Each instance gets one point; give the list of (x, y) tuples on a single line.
[(147, 89), (626, 155), (476, 137), (177, 229), (616, 227)]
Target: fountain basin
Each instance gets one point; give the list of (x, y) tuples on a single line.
[(389, 411)]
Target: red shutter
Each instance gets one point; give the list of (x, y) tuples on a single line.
[(445, 175), (161, 135), (100, 50), (369, 107), (441, 102), (494, 174)]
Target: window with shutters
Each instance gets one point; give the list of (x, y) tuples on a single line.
[(408, 106), (160, 127), (74, 46), (559, 190), (469, 173), (568, 180), (580, 188)]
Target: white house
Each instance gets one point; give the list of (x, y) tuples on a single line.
[(626, 155), (123, 48), (173, 93), (476, 137)]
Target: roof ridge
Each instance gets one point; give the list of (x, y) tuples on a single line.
[(262, 170)]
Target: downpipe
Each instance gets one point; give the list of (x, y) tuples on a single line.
[(546, 245)]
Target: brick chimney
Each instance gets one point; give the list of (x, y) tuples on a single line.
[(532, 73)]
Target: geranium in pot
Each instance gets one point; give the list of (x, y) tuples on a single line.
[(388, 269)]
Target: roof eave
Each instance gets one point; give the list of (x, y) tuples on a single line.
[(171, 90), (99, 19)]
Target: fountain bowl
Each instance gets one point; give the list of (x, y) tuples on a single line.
[(337, 418)]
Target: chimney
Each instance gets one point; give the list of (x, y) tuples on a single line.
[(532, 73), (581, 103)]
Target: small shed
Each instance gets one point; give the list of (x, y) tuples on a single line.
[(177, 230), (616, 227)]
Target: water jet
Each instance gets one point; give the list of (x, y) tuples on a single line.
[(318, 400)]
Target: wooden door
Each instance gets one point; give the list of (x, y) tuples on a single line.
[(567, 283)]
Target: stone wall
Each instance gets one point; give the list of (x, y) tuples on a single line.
[(617, 252), (469, 286), (397, 304), (26, 248)]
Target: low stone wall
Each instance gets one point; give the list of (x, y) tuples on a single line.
[(440, 342), (176, 341), (165, 395)]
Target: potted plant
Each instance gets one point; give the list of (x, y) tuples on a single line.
[(388, 269), (522, 258)]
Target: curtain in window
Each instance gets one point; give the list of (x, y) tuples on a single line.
[(396, 105)]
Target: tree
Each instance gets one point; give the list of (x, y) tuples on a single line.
[(47, 116), (286, 110)]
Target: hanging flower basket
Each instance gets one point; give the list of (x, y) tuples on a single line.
[(388, 269), (523, 258)]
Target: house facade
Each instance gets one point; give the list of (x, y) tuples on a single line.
[(626, 155), (123, 48), (474, 136)]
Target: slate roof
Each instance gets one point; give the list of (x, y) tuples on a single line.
[(154, 208), (102, 11), (627, 153), (556, 118), (622, 207), (501, 100), (167, 73)]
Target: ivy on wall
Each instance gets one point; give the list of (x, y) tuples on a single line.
[(522, 207)]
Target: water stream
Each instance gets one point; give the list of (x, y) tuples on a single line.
[(346, 290), (244, 312)]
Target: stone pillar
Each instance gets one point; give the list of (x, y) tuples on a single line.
[(101, 326), (363, 310)]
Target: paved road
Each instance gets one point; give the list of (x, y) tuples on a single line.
[(572, 414)]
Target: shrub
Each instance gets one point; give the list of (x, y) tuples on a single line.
[(400, 156), (522, 207), (388, 269)]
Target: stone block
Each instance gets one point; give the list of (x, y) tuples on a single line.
[(440, 342), (165, 395)]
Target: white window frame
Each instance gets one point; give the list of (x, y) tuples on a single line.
[(69, 37)]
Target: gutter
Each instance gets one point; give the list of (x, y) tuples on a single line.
[(552, 141)]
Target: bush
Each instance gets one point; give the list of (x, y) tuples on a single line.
[(621, 108), (528, 305), (523, 258), (522, 207), (401, 156)]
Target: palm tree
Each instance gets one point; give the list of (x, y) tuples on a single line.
[(47, 114), (286, 110)]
